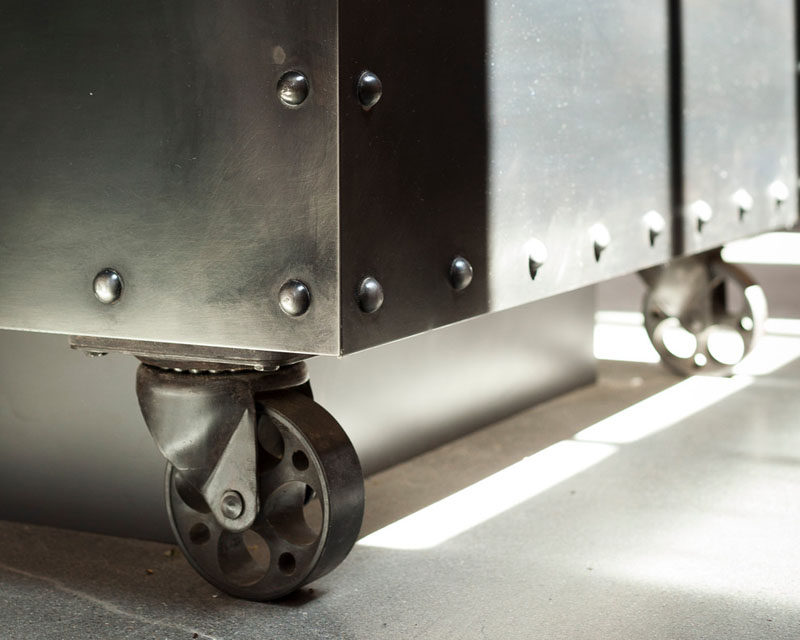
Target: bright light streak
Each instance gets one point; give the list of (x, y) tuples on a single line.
[(663, 409), (617, 334), (620, 335), (490, 497), (771, 353), (770, 248), (630, 318), (783, 326)]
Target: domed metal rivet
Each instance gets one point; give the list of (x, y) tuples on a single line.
[(293, 88), (743, 201), (702, 212), (369, 295), (460, 273), (537, 256), (655, 224), (107, 286), (295, 298), (369, 90), (232, 505), (779, 192), (601, 238)]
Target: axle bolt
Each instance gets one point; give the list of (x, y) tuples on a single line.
[(232, 504)]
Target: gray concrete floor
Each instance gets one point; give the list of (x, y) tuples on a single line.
[(675, 518)]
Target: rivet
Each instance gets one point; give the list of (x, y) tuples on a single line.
[(107, 286), (537, 256), (369, 90), (601, 238), (460, 273), (295, 298), (369, 295), (293, 88), (779, 192), (655, 224), (232, 505), (743, 201), (702, 212)]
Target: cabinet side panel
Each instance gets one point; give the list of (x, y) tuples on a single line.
[(503, 127), (739, 119), (148, 137)]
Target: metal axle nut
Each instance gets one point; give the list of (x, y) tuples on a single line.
[(232, 505)]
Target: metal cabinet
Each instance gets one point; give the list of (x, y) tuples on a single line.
[(164, 142), (224, 189)]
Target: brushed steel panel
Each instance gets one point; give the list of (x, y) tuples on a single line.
[(148, 137), (579, 137), (499, 122), (739, 116), (413, 168)]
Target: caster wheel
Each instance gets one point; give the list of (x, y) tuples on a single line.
[(311, 495), (704, 316)]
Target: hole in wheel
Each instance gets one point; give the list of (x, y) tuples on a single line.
[(271, 441), (300, 460), (286, 512), (286, 563), (725, 345), (189, 495), (677, 340), (243, 557), (312, 512), (700, 360), (199, 533)]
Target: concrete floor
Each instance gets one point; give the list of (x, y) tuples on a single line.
[(674, 515)]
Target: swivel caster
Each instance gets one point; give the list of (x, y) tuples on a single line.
[(263, 488), (703, 315)]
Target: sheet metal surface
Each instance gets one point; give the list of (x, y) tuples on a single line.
[(739, 118)]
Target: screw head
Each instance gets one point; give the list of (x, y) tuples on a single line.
[(107, 286), (779, 192), (655, 224), (293, 88), (702, 212), (369, 295), (295, 298), (537, 256), (601, 238), (460, 273), (743, 201), (369, 90), (232, 504)]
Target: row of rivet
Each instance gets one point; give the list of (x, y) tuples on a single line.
[(702, 212), (294, 87), (295, 298), (600, 237), (294, 295)]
